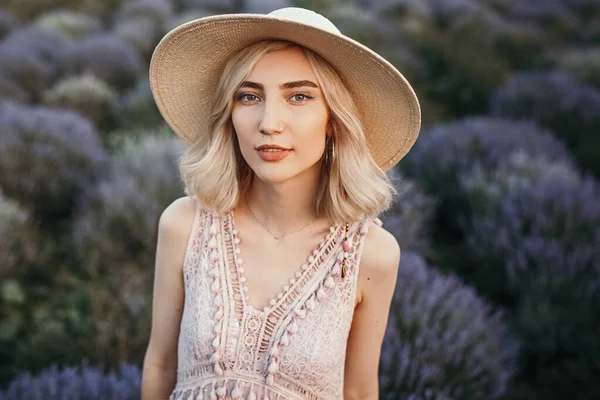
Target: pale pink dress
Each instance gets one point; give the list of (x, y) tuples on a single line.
[(294, 349)]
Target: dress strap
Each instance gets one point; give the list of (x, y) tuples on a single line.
[(194, 245)]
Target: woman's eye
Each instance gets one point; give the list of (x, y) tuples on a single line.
[(301, 97), (247, 97)]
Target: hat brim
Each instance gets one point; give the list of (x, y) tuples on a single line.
[(187, 63)]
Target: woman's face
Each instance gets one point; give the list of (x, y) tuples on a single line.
[(281, 104)]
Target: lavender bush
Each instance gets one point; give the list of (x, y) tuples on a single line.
[(107, 57), (47, 157), (48, 45), (86, 95), (583, 63), (559, 102), (221, 6), (7, 23), (24, 70), (263, 7), (158, 11), (434, 11), (77, 383), (559, 18), (10, 91), (121, 212), (115, 236), (75, 25), (141, 33), (27, 10), (15, 250), (443, 341), (446, 152), (138, 108), (537, 253), (485, 188), (187, 16), (410, 215), (31, 58)]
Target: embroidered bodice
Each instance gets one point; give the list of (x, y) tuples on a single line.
[(294, 348)]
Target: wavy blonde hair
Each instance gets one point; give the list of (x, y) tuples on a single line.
[(352, 186)]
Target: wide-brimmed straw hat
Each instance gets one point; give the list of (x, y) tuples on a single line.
[(187, 64)]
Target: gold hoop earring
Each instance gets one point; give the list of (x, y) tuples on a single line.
[(332, 149), (328, 146)]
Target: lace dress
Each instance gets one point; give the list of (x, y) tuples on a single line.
[(293, 349)]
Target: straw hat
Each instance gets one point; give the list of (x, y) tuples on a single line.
[(187, 63)]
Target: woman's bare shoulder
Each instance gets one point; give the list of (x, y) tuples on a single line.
[(381, 252), (176, 222), (178, 215)]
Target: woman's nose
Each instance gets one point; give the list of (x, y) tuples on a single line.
[(272, 121)]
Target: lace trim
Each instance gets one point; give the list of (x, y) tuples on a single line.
[(224, 386), (309, 302)]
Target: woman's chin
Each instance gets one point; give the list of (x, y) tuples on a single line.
[(273, 174)]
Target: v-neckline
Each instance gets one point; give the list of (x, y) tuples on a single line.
[(305, 271)]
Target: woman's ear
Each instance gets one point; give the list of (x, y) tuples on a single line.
[(329, 128)]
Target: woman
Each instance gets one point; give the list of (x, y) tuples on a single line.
[(273, 280)]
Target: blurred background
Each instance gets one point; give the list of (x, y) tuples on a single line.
[(498, 294)]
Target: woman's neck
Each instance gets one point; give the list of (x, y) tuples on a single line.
[(282, 207)]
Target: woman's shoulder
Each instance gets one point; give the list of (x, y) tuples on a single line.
[(178, 217), (381, 251)]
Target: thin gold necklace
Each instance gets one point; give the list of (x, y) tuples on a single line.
[(276, 237)]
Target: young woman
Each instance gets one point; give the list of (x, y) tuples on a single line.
[(273, 277)]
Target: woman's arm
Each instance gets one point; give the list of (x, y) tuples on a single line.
[(377, 280), (160, 363)]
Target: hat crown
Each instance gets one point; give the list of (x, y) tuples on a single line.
[(306, 17)]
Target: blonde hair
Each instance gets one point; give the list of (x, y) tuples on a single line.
[(352, 186)]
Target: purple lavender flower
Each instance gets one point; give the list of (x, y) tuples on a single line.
[(47, 157), (78, 383), (444, 154), (117, 219), (537, 253), (561, 104), (24, 70), (49, 46), (410, 215), (442, 340), (554, 218), (107, 57)]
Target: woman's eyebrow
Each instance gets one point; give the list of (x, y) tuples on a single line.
[(287, 85)]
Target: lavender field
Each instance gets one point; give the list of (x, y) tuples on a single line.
[(498, 217)]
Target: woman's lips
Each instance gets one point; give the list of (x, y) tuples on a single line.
[(271, 154)]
